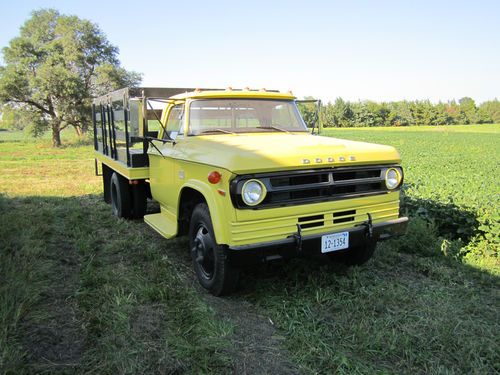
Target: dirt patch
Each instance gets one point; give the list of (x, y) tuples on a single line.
[(255, 345), (147, 322), (53, 334)]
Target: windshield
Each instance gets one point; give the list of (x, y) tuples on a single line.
[(244, 115)]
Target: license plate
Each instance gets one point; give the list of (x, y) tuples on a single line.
[(334, 242)]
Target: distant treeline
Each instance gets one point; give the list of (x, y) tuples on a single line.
[(343, 113)]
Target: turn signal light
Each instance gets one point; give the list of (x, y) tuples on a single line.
[(214, 177)]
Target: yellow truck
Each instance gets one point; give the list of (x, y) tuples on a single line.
[(241, 175)]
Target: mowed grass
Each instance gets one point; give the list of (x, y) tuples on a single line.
[(82, 291)]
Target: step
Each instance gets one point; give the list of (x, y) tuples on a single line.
[(163, 222)]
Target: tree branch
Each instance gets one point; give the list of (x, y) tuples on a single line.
[(34, 104)]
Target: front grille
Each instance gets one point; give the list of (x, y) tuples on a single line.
[(311, 221), (314, 185), (343, 216)]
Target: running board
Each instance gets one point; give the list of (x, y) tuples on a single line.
[(163, 223)]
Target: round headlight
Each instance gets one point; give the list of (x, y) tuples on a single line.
[(392, 178), (253, 192)]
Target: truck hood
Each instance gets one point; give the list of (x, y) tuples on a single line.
[(261, 152)]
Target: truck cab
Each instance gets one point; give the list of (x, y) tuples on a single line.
[(241, 175)]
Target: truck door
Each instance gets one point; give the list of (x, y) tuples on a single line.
[(162, 181)]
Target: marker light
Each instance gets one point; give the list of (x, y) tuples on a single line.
[(214, 177)]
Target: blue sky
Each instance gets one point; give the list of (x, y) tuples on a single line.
[(376, 50)]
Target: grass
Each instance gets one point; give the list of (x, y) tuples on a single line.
[(81, 291)]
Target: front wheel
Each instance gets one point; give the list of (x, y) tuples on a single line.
[(209, 259)]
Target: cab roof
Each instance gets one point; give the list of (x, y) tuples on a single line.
[(179, 93), (243, 94)]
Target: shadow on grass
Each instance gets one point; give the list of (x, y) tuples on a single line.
[(75, 280), (81, 290)]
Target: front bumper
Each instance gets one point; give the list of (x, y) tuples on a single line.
[(298, 244)]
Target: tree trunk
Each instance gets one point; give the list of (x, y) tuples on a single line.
[(56, 133)]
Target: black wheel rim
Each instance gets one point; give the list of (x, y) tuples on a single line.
[(203, 252)]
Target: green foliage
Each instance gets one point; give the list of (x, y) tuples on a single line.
[(309, 112), (468, 111), (450, 182), (490, 112), (53, 69), (407, 113), (11, 119)]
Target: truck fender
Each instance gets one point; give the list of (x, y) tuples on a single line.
[(217, 213)]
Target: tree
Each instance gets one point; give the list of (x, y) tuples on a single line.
[(342, 113), (53, 69), (442, 115), (468, 111), (489, 111), (327, 115), (309, 112)]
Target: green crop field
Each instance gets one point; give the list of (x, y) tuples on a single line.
[(82, 291)]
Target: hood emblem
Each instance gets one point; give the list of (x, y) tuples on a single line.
[(330, 159)]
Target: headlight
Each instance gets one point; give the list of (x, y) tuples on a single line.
[(253, 192), (392, 178)]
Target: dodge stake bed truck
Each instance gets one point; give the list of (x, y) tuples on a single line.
[(240, 174)]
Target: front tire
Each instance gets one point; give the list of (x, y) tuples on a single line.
[(209, 259)]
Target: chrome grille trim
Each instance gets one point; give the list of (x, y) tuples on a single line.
[(314, 185)]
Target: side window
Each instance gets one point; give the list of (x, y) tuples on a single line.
[(174, 121)]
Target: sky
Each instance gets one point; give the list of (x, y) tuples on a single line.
[(358, 50)]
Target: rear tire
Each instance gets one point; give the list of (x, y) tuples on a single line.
[(209, 259), (107, 173), (120, 196)]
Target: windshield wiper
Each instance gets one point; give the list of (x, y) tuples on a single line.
[(217, 131), (273, 127)]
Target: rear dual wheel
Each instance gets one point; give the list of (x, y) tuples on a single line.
[(127, 201)]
